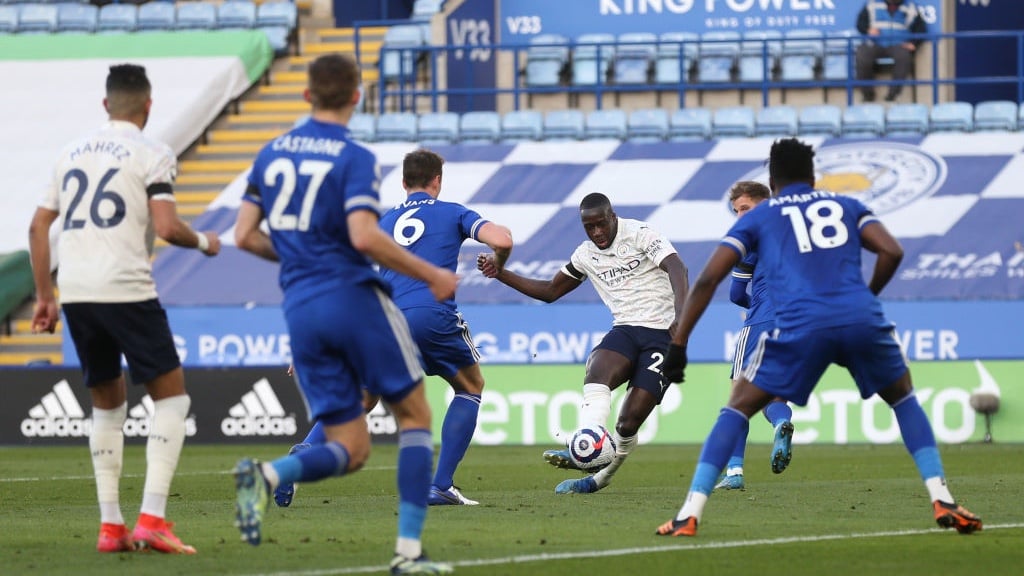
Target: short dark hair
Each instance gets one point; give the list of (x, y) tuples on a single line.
[(420, 167), (595, 200), (751, 188), (128, 89), (791, 161), (333, 79)]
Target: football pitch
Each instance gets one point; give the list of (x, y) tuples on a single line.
[(837, 510)]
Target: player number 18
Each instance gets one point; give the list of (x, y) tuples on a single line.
[(823, 216)]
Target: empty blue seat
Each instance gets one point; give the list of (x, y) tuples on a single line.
[(759, 52), (733, 121), (156, 16), (396, 127), (37, 18), (399, 53), (647, 125), (438, 128), (237, 14), (689, 124), (77, 18), (605, 124), (634, 57), (677, 51), (995, 115), (822, 119), (279, 21), (591, 59), (864, 120), (118, 18), (951, 117), (546, 56), (801, 53), (563, 125), (717, 56), (196, 16), (363, 127), (840, 47), (906, 120), (8, 19), (424, 10), (776, 121), (522, 126), (479, 127)]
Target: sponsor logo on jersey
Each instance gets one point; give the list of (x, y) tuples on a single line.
[(57, 415), (259, 413)]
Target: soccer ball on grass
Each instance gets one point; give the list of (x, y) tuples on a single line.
[(592, 448)]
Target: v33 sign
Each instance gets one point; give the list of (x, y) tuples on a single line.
[(474, 33), (471, 32)]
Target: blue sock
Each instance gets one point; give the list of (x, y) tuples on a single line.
[(316, 434), (730, 427), (415, 456), (918, 437), (456, 434), (777, 412), (319, 462)]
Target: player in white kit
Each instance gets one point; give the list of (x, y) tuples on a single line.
[(113, 190), (642, 281)]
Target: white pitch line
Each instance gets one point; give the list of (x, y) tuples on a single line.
[(90, 477), (642, 550)]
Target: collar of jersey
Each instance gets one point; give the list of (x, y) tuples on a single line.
[(123, 125)]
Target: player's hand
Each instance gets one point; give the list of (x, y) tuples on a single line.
[(214, 241), (291, 370), (45, 315), (909, 46), (485, 264), (675, 363), (443, 284)]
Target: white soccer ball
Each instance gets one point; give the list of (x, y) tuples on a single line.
[(592, 447)]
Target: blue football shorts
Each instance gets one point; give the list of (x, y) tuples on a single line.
[(645, 348), (443, 338), (746, 343)]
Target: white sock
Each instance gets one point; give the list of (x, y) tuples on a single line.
[(937, 490), (106, 443), (735, 471), (271, 475), (623, 446), (166, 437), (597, 404), (694, 506), (409, 548)]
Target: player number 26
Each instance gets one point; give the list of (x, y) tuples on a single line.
[(99, 196), (284, 169), (826, 229)]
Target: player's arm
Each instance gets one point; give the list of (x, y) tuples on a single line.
[(174, 230), (741, 277), (499, 239), (248, 234), (564, 281), (876, 238), (369, 239), (678, 278), (44, 317)]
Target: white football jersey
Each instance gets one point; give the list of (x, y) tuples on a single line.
[(626, 275), (101, 187)]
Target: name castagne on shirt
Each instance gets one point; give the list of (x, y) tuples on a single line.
[(308, 145)]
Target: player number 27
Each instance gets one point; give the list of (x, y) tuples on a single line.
[(826, 228), (284, 169)]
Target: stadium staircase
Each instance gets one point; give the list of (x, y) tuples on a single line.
[(226, 150)]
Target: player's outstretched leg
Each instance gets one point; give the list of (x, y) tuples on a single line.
[(577, 486), (250, 500), (782, 449), (285, 492)]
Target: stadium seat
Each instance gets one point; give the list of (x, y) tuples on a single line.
[(196, 16), (8, 19), (864, 120), (37, 19), (776, 121), (236, 14), (118, 18), (592, 58), (605, 124), (521, 126), (563, 125), (400, 65), (634, 57), (424, 10), (801, 53), (279, 21), (677, 51), (717, 56), (906, 120), (438, 128), (77, 18), (647, 125), (396, 127), (756, 47), (362, 127), (479, 127), (1020, 117), (840, 47), (951, 117), (822, 119), (156, 16), (995, 115), (733, 121), (546, 57), (689, 124)]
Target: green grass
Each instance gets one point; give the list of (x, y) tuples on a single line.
[(837, 510)]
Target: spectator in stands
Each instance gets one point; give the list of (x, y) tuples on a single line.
[(888, 25), (114, 188)]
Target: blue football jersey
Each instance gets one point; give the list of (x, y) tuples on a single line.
[(760, 309), (809, 253), (433, 230), (307, 181)]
